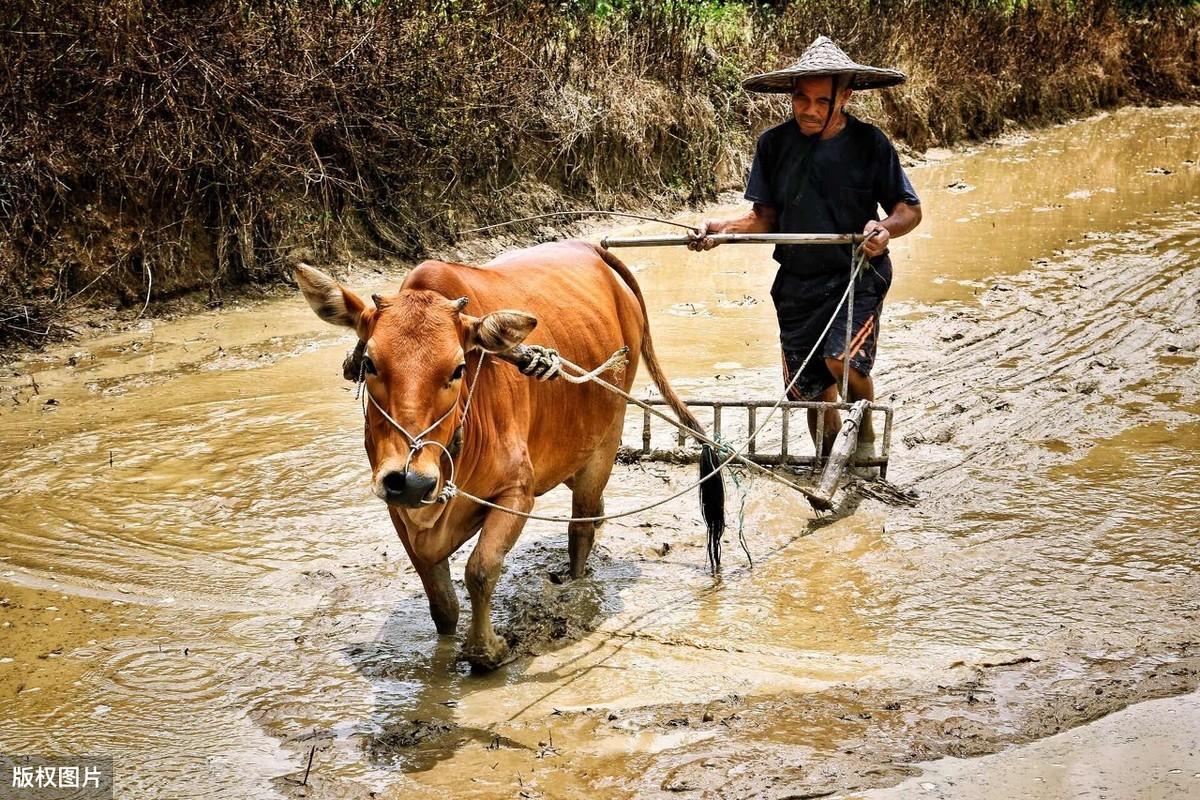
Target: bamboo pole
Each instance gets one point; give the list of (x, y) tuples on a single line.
[(668, 240), (843, 448)]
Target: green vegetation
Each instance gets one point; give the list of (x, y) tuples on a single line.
[(163, 147)]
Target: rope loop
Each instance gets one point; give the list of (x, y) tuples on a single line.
[(544, 363), (419, 442), (449, 490)]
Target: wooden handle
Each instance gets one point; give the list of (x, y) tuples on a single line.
[(843, 449), (670, 240)]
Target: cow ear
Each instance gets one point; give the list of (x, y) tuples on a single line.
[(499, 330), (333, 303)]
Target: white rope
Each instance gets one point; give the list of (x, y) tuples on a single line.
[(416, 443), (857, 266), (617, 359), (413, 441), (546, 363)]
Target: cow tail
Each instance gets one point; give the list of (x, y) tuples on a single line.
[(712, 486)]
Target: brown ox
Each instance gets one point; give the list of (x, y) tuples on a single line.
[(521, 437)]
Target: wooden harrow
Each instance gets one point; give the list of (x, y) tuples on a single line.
[(781, 451)]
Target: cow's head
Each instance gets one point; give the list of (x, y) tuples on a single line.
[(415, 369)]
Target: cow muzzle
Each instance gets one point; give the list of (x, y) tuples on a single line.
[(409, 489)]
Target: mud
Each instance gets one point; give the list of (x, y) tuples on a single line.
[(1146, 750), (882, 734), (550, 614), (195, 580)]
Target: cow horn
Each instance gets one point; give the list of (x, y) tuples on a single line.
[(460, 304)]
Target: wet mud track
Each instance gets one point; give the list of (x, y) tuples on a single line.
[(195, 580), (1046, 528)]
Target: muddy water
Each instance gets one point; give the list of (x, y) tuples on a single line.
[(196, 581)]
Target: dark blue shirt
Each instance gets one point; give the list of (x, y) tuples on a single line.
[(829, 186)]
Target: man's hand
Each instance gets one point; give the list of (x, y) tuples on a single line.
[(760, 219), (698, 239), (875, 245)]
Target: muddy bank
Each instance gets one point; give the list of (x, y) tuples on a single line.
[(1147, 750), (189, 545), (150, 151)]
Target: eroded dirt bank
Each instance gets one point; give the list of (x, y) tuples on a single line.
[(250, 134), (196, 580)]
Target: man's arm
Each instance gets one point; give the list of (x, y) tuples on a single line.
[(902, 220), (761, 218)]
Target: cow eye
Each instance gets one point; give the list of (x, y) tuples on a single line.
[(369, 366), (458, 372)]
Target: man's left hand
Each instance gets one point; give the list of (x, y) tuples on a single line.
[(876, 244)]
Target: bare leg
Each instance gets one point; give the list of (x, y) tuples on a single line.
[(861, 388), (833, 422), (483, 648)]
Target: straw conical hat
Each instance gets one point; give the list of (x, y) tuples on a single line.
[(823, 57)]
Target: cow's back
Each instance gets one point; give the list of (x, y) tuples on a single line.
[(586, 312)]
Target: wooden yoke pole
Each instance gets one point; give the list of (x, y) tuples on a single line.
[(843, 448), (668, 240)]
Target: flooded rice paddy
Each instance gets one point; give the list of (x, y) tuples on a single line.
[(196, 581)]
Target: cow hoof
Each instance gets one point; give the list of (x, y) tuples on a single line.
[(487, 656)]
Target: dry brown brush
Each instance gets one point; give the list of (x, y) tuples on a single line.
[(149, 148)]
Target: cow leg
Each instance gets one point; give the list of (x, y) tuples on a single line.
[(580, 537), (587, 500), (443, 600), (587, 496), (483, 648)]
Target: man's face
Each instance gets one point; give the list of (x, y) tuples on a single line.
[(811, 98)]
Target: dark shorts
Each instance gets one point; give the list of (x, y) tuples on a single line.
[(803, 305)]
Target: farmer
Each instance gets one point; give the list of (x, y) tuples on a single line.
[(824, 171)]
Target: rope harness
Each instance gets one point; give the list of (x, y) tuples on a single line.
[(418, 442), (545, 365), (548, 364)]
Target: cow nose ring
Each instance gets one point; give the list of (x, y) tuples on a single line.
[(417, 442), (448, 488)]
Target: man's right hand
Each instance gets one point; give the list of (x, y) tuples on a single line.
[(698, 239)]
